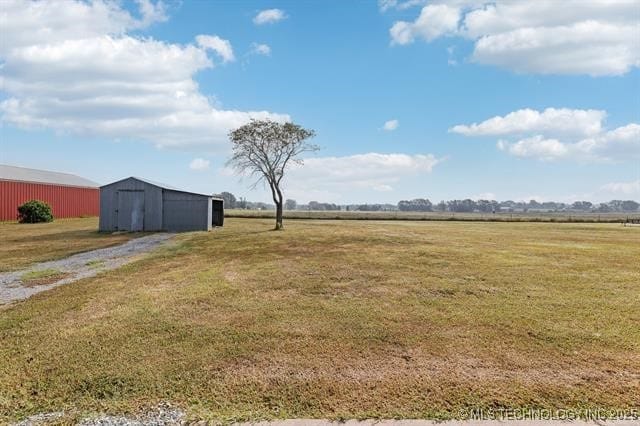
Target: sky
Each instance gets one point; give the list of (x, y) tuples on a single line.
[(409, 99)]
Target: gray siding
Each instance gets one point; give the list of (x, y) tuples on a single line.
[(164, 209), (107, 209), (109, 204), (183, 211), (152, 208)]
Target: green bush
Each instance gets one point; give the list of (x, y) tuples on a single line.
[(34, 211)]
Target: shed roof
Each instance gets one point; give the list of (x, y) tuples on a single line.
[(23, 174), (163, 186)]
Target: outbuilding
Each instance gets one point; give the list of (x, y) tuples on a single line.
[(135, 204), (67, 194)]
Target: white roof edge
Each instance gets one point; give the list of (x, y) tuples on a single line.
[(25, 174)]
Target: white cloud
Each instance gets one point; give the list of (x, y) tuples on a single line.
[(485, 196), (385, 5), (152, 12), (589, 47), (451, 60), (199, 164), (559, 134), (556, 121), (339, 179), (260, 49), (622, 188), (75, 69), (621, 144), (29, 23), (434, 21), (219, 45), (382, 188), (391, 125), (269, 16), (597, 37), (362, 172), (536, 147)]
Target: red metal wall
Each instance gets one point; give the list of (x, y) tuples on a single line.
[(65, 201)]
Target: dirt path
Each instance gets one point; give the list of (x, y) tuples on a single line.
[(166, 414), (19, 285)]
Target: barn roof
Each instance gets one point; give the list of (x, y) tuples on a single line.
[(23, 174), (163, 186)]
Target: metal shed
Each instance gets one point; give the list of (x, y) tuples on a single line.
[(135, 204)]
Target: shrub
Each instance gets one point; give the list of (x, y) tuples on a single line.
[(34, 211)]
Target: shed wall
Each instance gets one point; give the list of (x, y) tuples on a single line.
[(152, 204), (183, 211), (65, 201)]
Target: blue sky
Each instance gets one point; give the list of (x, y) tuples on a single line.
[(108, 90)]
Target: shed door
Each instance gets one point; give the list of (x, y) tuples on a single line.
[(130, 210), (217, 213)]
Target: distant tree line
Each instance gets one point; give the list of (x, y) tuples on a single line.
[(492, 206), (456, 206), (231, 202)]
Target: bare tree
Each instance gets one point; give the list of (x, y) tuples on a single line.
[(265, 149)]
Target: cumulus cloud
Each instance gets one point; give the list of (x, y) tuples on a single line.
[(269, 16), (391, 125), (435, 20), (485, 196), (385, 5), (76, 69), (221, 46), (599, 37), (199, 164), (621, 144), (536, 147), (337, 178), (30, 23), (260, 49), (549, 121), (151, 12), (362, 172), (382, 188), (555, 134), (622, 188)]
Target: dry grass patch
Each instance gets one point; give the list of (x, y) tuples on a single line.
[(341, 320), (23, 244), (42, 277)]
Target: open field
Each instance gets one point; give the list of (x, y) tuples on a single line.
[(24, 244), (339, 319), (560, 217)]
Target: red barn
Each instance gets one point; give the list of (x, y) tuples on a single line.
[(68, 195)]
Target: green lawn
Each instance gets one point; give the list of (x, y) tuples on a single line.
[(340, 319)]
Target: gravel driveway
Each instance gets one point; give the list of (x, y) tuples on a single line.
[(168, 416), (76, 267)]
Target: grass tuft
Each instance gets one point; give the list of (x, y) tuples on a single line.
[(95, 263), (42, 277)]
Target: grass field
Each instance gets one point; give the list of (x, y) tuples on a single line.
[(560, 217), (24, 244), (339, 319)]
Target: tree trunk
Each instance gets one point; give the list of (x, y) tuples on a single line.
[(279, 225), (278, 200)]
